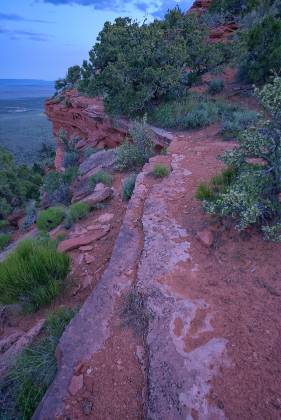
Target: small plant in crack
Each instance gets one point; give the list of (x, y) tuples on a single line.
[(134, 313)]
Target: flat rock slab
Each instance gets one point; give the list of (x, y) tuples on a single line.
[(101, 160), (70, 244), (98, 196), (178, 376)]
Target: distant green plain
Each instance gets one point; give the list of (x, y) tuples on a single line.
[(23, 123)]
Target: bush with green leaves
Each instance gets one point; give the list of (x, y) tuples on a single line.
[(50, 218), (3, 224), (211, 191), (262, 50), (129, 186), (193, 111), (57, 186), (100, 177), (134, 153), (160, 171), (30, 216), (46, 156), (34, 370), (253, 195), (5, 239), (134, 65), (70, 158), (216, 86), (235, 122), (70, 81), (33, 274), (18, 184), (78, 211)]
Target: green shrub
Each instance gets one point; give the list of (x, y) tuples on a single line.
[(5, 239), (56, 185), (3, 224), (252, 195), (133, 155), (78, 211), (194, 111), (34, 370), (218, 184), (273, 232), (262, 45), (201, 116), (129, 186), (50, 218), (237, 121), (30, 216), (33, 274), (18, 184), (70, 81), (101, 176), (204, 192), (69, 175), (139, 64), (216, 86), (160, 171), (70, 158)]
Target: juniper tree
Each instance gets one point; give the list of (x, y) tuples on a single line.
[(253, 197)]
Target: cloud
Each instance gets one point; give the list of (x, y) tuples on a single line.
[(18, 34), (156, 7), (17, 18), (114, 5)]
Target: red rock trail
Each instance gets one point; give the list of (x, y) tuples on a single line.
[(212, 346)]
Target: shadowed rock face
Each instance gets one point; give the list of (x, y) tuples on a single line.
[(86, 119)]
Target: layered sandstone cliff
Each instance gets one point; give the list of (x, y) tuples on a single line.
[(85, 118)]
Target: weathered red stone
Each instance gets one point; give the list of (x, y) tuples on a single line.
[(86, 119), (206, 237), (70, 244), (76, 384)]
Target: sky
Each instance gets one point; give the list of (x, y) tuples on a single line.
[(40, 39)]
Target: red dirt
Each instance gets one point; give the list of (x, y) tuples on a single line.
[(239, 278)]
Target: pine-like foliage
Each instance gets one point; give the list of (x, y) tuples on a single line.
[(253, 196)]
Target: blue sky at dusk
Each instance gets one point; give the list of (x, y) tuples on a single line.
[(40, 39)]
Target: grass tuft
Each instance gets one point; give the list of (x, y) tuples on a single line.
[(101, 176), (50, 218), (33, 274), (34, 370), (134, 313), (5, 239), (129, 186), (160, 171)]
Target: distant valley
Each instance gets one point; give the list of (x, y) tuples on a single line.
[(23, 124)]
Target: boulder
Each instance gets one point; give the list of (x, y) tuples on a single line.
[(76, 384), (105, 218), (104, 159), (206, 237), (74, 243), (81, 190), (100, 194)]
